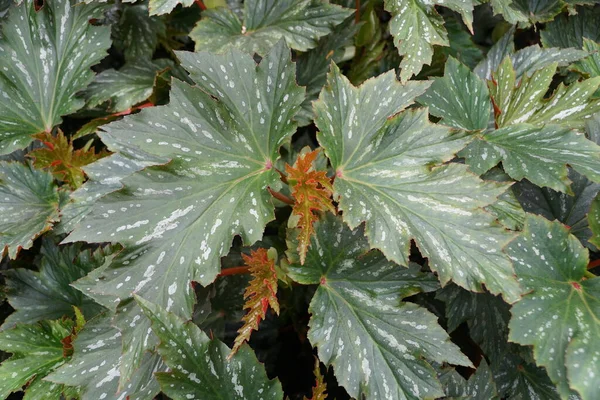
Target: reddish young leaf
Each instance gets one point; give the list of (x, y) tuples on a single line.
[(260, 294), (319, 391), (62, 160), (312, 191)]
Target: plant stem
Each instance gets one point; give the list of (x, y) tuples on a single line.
[(201, 4), (589, 275), (281, 197), (357, 13), (594, 264), (235, 271), (282, 176), (130, 110)]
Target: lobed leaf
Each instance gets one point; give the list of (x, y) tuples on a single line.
[(28, 206), (480, 385), (539, 154), (198, 366), (389, 173), (560, 315), (37, 348), (43, 65), (177, 220), (460, 98), (379, 346), (47, 294), (299, 22)]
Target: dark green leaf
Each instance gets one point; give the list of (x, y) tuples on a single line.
[(37, 350), (379, 346), (460, 98), (480, 385), (569, 30), (560, 316), (199, 368), (47, 294), (28, 205), (137, 33)]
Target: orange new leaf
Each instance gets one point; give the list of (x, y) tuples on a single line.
[(312, 191), (260, 294), (62, 160), (319, 391)]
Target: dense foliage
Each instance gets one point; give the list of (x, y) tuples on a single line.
[(303, 199)]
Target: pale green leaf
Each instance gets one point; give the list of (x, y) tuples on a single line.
[(560, 315), (199, 368), (379, 346), (28, 205), (390, 174), (300, 22), (460, 98), (45, 59)]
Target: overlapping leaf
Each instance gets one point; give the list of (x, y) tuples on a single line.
[(389, 174), (519, 102), (199, 368), (28, 205), (37, 348), (480, 385), (300, 22), (379, 346), (521, 380), (570, 30), (460, 98), (560, 316), (571, 210), (176, 221), (417, 27), (539, 154), (95, 365), (47, 294), (45, 59), (594, 222), (137, 34), (260, 294)]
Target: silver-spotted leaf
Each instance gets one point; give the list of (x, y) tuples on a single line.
[(37, 351), (177, 220), (137, 34), (300, 22), (390, 174), (47, 294), (572, 210), (560, 316), (570, 30), (379, 346), (199, 368), (594, 222), (159, 7), (29, 203), (517, 379), (540, 154), (45, 59), (460, 98), (417, 27), (479, 386), (95, 365)]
